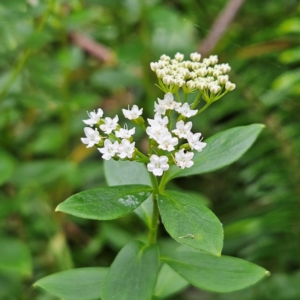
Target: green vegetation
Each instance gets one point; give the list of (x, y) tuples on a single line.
[(59, 59)]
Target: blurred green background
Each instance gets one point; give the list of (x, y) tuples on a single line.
[(59, 59)]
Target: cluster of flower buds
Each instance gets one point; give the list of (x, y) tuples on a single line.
[(208, 77), (170, 143)]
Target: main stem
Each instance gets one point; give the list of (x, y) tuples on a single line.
[(155, 214)]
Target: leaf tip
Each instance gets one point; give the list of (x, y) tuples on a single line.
[(57, 208), (267, 273)]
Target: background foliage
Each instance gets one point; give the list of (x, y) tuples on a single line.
[(59, 59)]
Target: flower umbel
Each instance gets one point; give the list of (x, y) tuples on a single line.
[(170, 143)]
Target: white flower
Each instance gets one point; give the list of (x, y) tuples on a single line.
[(109, 124), (92, 137), (109, 150), (159, 121), (195, 142), (126, 149), (132, 114), (94, 117), (184, 160), (186, 111), (156, 131), (125, 133), (167, 142), (182, 129), (168, 102), (158, 164), (159, 109)]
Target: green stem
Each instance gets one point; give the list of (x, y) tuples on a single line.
[(204, 108), (163, 183), (178, 97), (154, 221), (155, 214), (196, 101), (142, 155)]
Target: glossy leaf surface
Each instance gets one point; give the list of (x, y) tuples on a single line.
[(130, 172), (218, 274), (191, 223), (106, 203), (77, 284), (133, 273), (221, 150)]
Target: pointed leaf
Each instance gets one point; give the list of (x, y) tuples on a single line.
[(106, 203), (77, 284), (133, 273), (221, 150), (218, 274), (130, 172), (191, 223), (169, 282)]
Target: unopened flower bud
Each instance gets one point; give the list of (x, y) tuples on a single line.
[(179, 82), (223, 79), (201, 85), (215, 89), (217, 73), (195, 56), (213, 59), (179, 57), (165, 57), (210, 70), (229, 86), (167, 80), (154, 66), (225, 68), (191, 84), (160, 73), (201, 72)]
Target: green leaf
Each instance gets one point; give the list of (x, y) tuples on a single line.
[(221, 150), (133, 273), (169, 282), (77, 284), (106, 203), (218, 274), (130, 172), (15, 257), (191, 223)]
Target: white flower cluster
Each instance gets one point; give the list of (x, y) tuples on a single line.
[(167, 145), (208, 76), (168, 139), (116, 141)]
